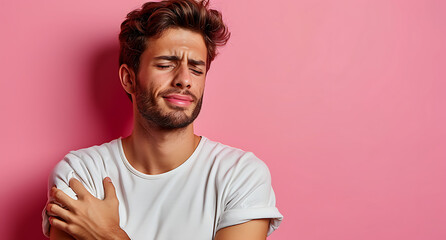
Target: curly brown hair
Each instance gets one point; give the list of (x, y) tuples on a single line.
[(153, 18)]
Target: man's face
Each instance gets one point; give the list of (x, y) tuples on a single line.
[(171, 79)]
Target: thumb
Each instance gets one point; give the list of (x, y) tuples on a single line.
[(109, 189)]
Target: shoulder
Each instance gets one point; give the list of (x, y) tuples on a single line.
[(92, 156), (102, 151), (234, 163), (229, 154), (83, 164)]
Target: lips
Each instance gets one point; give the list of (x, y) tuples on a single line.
[(179, 100), (180, 97)]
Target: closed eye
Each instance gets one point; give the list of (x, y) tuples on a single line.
[(163, 66), (196, 72)]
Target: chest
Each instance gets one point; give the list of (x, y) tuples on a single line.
[(180, 207)]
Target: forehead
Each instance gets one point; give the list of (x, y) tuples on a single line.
[(177, 42)]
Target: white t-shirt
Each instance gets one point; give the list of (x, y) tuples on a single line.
[(218, 186)]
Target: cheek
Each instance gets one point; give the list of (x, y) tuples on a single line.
[(202, 86), (154, 83), (199, 89)]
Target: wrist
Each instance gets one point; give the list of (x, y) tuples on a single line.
[(118, 234)]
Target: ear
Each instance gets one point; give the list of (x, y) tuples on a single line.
[(128, 78)]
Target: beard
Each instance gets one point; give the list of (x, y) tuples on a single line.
[(153, 113)]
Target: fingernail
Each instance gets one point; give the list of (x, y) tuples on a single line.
[(53, 189), (107, 179)]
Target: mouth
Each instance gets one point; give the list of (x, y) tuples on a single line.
[(179, 100)]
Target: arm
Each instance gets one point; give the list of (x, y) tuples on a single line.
[(249, 197), (252, 230), (87, 217)]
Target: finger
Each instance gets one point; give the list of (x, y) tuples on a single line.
[(79, 189), (55, 210), (62, 198), (109, 189), (58, 223)]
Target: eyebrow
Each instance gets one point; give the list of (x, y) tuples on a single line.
[(176, 59)]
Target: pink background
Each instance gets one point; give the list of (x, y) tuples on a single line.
[(344, 100)]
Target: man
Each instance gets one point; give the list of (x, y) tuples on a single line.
[(163, 181)]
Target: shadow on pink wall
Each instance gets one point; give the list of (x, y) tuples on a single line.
[(30, 205), (108, 102)]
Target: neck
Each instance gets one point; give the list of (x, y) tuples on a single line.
[(152, 150)]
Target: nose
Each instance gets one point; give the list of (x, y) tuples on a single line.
[(182, 78)]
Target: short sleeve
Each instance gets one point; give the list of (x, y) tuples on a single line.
[(250, 195), (72, 166)]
